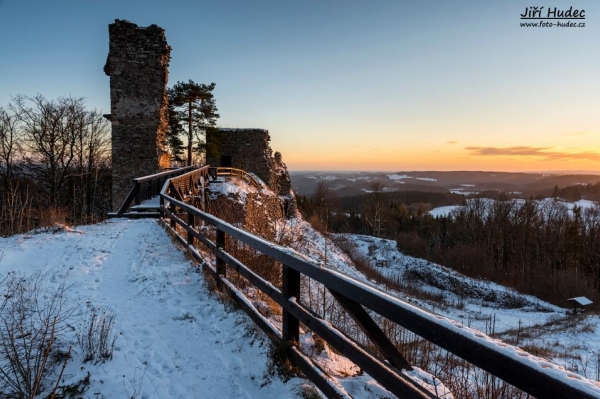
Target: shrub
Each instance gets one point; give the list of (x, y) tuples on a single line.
[(33, 323), (96, 336)]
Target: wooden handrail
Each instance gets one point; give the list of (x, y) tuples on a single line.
[(167, 174), (154, 183), (504, 361), (242, 174)]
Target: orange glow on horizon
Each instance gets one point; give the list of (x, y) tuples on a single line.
[(442, 160)]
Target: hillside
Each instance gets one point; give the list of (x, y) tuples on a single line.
[(485, 309), (173, 338), (460, 182)]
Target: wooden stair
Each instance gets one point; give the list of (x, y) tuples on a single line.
[(141, 211)]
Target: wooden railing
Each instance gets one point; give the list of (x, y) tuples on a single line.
[(189, 187), (233, 172), (355, 296), (147, 187)]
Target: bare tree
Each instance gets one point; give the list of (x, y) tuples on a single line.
[(9, 122), (50, 132), (374, 213), (92, 153)]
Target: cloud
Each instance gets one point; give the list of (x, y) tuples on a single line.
[(544, 153), (452, 142), (580, 134)]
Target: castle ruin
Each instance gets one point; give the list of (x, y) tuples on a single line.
[(249, 149), (137, 63)]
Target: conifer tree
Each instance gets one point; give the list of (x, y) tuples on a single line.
[(192, 111), (174, 143)]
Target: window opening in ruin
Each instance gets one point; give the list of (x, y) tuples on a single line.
[(226, 161)]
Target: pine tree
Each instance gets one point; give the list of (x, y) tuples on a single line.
[(174, 143), (193, 112)]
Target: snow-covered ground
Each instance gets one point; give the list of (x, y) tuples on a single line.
[(583, 204), (572, 342), (174, 339), (396, 176), (443, 210)]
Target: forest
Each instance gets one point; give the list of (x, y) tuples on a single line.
[(55, 155), (537, 246), (54, 163)]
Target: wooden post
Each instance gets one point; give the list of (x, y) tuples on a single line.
[(138, 193), (291, 288), (190, 222), (162, 205), (221, 269), (172, 208), (373, 331)]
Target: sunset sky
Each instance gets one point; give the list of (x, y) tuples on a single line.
[(347, 85)]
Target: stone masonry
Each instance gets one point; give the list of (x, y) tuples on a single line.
[(137, 63), (246, 149), (249, 149)]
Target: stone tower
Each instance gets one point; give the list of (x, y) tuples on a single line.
[(137, 63)]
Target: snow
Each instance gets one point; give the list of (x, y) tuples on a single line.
[(426, 178), (153, 202), (174, 338), (372, 191), (462, 192), (475, 311), (581, 300), (496, 310), (542, 204), (314, 246), (396, 176), (443, 210), (235, 187), (581, 203)]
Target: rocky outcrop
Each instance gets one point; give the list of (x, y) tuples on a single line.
[(249, 208)]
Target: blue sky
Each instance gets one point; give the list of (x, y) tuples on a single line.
[(346, 85)]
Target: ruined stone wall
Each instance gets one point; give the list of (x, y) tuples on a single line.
[(137, 63), (248, 149)]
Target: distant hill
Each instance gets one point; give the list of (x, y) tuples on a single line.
[(459, 182)]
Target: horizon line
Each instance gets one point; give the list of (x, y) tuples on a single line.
[(576, 171)]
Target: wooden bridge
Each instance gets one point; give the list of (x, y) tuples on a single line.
[(181, 204)]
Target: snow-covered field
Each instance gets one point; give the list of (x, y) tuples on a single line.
[(174, 339), (443, 210), (583, 204)]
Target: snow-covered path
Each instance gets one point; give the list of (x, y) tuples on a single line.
[(176, 340)]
